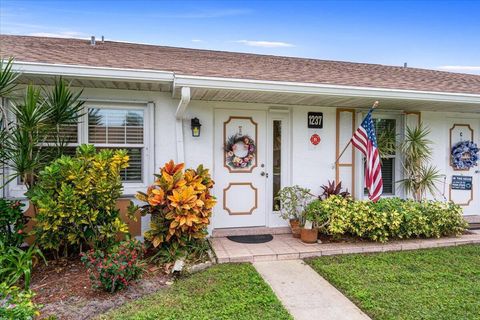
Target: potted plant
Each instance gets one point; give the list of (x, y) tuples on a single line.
[(293, 201), (315, 219), (309, 235)]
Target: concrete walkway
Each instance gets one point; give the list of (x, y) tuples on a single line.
[(305, 294), (286, 247)]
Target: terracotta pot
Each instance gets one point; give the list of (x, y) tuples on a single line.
[(309, 235), (295, 226), (294, 223)]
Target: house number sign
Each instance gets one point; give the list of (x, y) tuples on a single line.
[(315, 120)]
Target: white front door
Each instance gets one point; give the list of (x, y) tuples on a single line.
[(240, 173)]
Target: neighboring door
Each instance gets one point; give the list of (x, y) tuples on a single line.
[(240, 173), (462, 185)]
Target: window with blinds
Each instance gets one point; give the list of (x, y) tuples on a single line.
[(119, 129)]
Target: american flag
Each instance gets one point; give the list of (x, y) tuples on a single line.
[(365, 140)]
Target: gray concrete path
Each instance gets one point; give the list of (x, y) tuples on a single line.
[(305, 294)]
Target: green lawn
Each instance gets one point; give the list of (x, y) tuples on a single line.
[(228, 291), (438, 284)]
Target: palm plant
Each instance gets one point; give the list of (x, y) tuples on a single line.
[(8, 85), (65, 108), (419, 176), (28, 140), (22, 139)]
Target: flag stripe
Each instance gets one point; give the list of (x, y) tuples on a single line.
[(365, 140)]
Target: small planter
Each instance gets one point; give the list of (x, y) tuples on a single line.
[(295, 226), (309, 235)]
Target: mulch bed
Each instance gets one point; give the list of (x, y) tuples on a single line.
[(64, 289)]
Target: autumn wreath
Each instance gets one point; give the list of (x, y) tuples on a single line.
[(239, 151)]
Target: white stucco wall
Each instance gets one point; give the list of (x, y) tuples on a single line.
[(440, 124), (309, 166)]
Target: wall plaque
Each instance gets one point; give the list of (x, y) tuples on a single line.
[(462, 182)]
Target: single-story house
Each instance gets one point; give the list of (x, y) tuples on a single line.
[(285, 120)]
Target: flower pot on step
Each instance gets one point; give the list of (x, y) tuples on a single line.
[(295, 227), (309, 235)]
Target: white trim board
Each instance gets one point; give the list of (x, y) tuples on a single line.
[(238, 84)]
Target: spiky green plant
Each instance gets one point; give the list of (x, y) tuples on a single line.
[(65, 108), (8, 85), (387, 142), (419, 176), (34, 137)]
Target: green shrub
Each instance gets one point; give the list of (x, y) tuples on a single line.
[(12, 223), (388, 218), (115, 268), (313, 212), (16, 264), (76, 199), (17, 304)]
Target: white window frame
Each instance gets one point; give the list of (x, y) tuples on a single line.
[(17, 190), (398, 173)]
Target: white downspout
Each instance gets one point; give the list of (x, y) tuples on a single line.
[(179, 115)]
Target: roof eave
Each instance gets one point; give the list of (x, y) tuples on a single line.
[(90, 72)]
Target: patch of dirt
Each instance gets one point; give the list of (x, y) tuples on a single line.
[(64, 289)]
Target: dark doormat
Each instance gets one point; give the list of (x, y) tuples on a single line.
[(258, 238)]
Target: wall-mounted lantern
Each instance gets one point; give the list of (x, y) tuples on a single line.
[(195, 123)]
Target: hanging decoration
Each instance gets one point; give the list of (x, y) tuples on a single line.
[(464, 155), (240, 151)]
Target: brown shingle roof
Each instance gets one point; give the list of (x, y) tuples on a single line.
[(232, 65)]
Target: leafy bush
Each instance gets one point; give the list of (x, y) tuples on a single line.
[(388, 218), (17, 304), (76, 199), (12, 223), (116, 267), (180, 205), (293, 201), (17, 264), (313, 212)]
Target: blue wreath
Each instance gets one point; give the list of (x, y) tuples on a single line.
[(459, 150)]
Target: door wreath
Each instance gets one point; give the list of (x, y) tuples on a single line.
[(240, 151), (464, 155)]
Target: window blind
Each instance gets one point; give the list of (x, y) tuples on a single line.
[(119, 129)]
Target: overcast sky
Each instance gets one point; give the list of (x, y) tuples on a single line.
[(428, 34)]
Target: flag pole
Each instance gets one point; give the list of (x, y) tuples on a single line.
[(375, 104)]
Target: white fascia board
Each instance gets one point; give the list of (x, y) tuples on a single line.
[(78, 71), (320, 89)]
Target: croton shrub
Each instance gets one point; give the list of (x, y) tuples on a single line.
[(180, 205), (75, 198), (387, 218)]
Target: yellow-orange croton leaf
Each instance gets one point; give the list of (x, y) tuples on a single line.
[(171, 168)]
